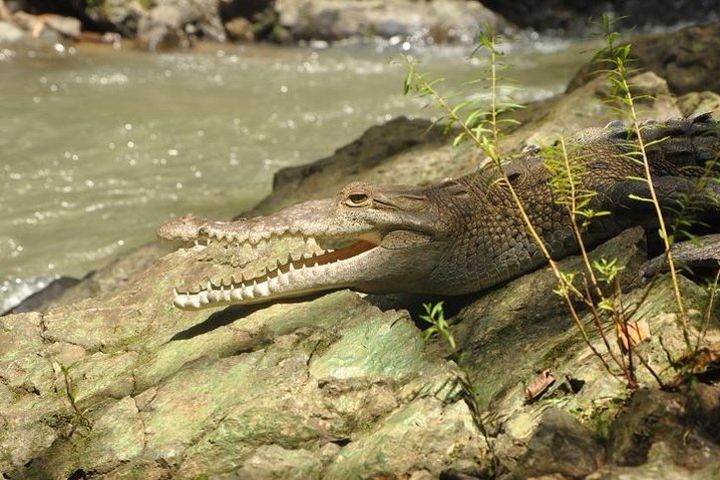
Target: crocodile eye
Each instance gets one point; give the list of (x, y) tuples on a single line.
[(357, 199)]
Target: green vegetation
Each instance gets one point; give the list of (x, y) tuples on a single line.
[(435, 316), (596, 289)]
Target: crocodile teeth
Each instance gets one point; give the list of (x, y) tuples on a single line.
[(273, 284), (204, 297), (261, 289)]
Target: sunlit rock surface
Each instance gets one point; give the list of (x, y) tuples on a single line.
[(125, 384)]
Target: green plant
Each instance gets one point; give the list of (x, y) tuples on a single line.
[(435, 316), (618, 57)]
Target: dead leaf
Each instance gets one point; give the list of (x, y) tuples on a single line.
[(632, 334), (538, 386)]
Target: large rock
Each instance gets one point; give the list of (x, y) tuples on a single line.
[(572, 16), (161, 29), (66, 26), (198, 16), (686, 59), (126, 385), (10, 33), (133, 388), (440, 20)]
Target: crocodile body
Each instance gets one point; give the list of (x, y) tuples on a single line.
[(462, 235)]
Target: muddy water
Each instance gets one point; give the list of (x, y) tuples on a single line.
[(97, 147)]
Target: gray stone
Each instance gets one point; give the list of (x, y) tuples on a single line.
[(441, 20), (561, 445), (686, 59), (167, 15), (10, 33), (240, 29)]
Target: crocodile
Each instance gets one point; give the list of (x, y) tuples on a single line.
[(465, 234)]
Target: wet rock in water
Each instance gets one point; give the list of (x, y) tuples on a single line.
[(45, 296), (161, 29), (571, 16), (67, 26), (687, 59), (240, 28), (200, 17), (332, 387), (36, 24), (166, 15), (440, 20), (123, 15), (10, 33)]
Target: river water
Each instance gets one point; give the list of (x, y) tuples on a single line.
[(97, 146)]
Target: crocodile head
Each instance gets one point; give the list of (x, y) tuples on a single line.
[(369, 238)]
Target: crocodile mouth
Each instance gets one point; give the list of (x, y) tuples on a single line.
[(324, 263)]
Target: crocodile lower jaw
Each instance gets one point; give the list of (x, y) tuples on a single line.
[(296, 278)]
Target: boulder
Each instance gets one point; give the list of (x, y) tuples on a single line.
[(200, 17), (44, 297), (66, 26), (561, 445), (161, 29), (240, 28), (10, 33), (686, 59), (439, 20), (572, 16), (126, 385)]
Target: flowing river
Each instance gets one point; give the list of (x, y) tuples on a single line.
[(97, 146)]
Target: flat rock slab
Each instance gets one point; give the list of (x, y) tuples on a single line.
[(127, 386), (121, 384)]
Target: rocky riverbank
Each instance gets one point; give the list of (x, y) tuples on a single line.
[(168, 24), (111, 381)]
